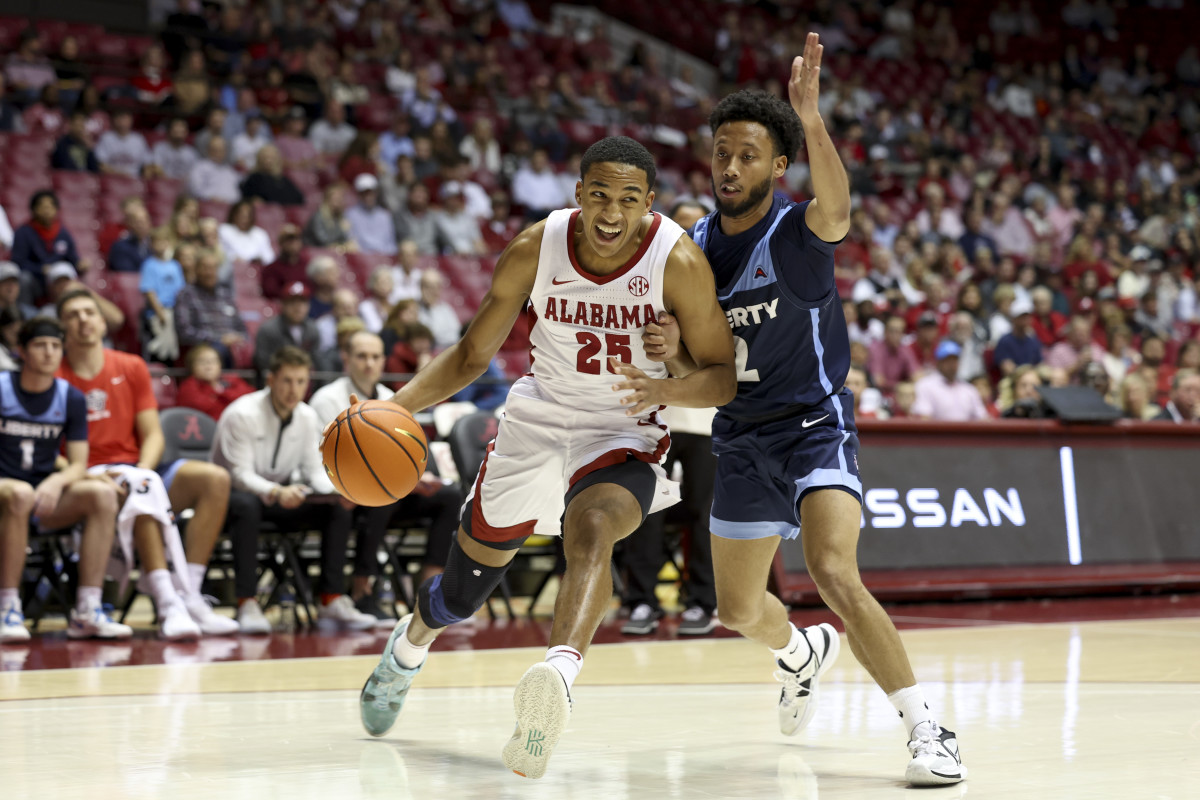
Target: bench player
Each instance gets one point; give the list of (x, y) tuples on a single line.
[(787, 447), (580, 439)]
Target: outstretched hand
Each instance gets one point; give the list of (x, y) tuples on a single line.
[(660, 340), (805, 83)]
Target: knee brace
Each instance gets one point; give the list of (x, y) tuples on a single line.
[(458, 592)]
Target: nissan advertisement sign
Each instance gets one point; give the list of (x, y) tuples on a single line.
[(947, 506)]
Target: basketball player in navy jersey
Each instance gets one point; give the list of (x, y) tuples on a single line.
[(787, 447), (38, 412), (580, 439)]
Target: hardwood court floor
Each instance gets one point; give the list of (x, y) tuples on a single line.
[(1107, 709)]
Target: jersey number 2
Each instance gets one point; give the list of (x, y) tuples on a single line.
[(741, 354), (617, 346)]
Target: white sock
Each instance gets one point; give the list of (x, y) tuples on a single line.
[(197, 573), (408, 655), (567, 660), (11, 598), (162, 590), (910, 704), (796, 653), (87, 598)]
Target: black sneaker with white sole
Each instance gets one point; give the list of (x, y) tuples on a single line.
[(695, 621), (642, 620)]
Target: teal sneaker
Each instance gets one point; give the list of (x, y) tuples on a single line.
[(384, 693)]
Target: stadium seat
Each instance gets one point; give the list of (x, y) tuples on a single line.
[(188, 433)]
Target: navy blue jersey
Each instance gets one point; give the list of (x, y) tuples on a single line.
[(34, 426), (775, 283)]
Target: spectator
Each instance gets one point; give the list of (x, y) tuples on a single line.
[(975, 238), (11, 319), (289, 268), (42, 241), (328, 226), (268, 183), (537, 188), (406, 274), (480, 148), (412, 352), (123, 430), (10, 294), (27, 68), (942, 396), (73, 152), (423, 102), (332, 324), (890, 360), (432, 499), (1047, 323), (371, 226), (938, 218), (395, 142), (502, 228), (122, 150), (133, 247), (434, 312), (274, 484), (192, 85), (6, 231), (46, 117), (361, 157), (323, 277), (1008, 228), (1021, 398), (161, 281), (478, 202), (1135, 281), (173, 156), (248, 143), (214, 127), (10, 115), (1077, 349), (968, 336), (374, 309), (414, 221), (457, 229), (205, 388), (296, 149), (152, 85), (1135, 399), (212, 178), (242, 239), (1021, 345), (1184, 405), (331, 135), (868, 401), (52, 415), (924, 344), (291, 326), (999, 323), (902, 403), (205, 313)]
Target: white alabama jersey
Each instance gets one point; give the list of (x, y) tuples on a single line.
[(578, 319)]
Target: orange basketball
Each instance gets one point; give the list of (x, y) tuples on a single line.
[(374, 452)]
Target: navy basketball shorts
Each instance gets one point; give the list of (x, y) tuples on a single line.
[(765, 469)]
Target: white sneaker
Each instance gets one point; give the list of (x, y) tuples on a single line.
[(798, 700), (12, 626), (175, 624), (341, 613), (935, 757), (251, 620), (543, 706), (211, 623), (95, 623)]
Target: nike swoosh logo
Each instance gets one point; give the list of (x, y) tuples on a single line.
[(647, 424), (118, 379), (808, 423), (557, 282)]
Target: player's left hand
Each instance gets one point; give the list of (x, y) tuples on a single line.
[(644, 391), (46, 497), (805, 83), (660, 339)]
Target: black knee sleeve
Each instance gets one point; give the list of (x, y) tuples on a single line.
[(458, 592)]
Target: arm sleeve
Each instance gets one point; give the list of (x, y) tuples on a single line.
[(803, 261), (77, 424), (313, 466), (138, 376), (236, 442)]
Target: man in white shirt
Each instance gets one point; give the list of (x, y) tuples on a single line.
[(212, 178), (457, 229), (942, 396), (331, 134), (122, 150), (371, 225), (433, 500), (406, 274), (435, 313), (173, 156), (536, 187), (269, 442)]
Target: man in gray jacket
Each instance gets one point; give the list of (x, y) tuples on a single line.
[(269, 442), (291, 326)]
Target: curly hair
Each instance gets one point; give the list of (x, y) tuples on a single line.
[(755, 105), (619, 150)]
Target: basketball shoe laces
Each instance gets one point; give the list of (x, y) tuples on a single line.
[(795, 689), (929, 743)]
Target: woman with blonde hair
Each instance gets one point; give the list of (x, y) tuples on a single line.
[(1135, 399), (999, 323)]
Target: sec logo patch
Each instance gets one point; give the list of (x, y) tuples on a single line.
[(638, 286)]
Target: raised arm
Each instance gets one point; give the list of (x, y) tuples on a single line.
[(704, 364), (828, 215), (461, 363)]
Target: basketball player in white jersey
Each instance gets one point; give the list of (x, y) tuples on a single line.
[(581, 439)]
